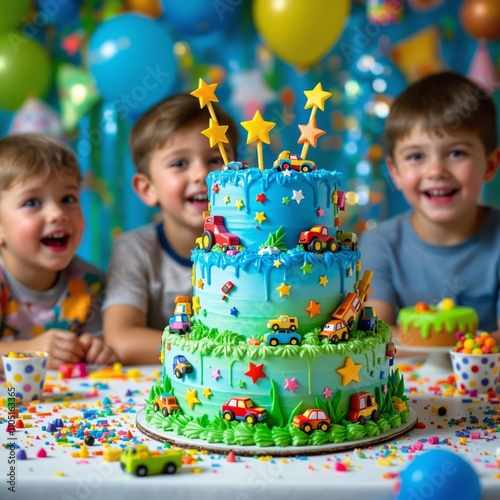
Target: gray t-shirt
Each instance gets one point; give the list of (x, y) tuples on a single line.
[(146, 273), (408, 270)]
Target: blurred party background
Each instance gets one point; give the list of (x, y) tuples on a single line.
[(84, 70)]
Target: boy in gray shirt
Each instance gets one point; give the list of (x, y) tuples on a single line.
[(442, 145), (150, 265)]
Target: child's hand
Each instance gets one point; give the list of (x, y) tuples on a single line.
[(496, 335), (96, 351), (62, 345)]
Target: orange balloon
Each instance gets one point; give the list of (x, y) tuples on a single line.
[(149, 7), (481, 18)]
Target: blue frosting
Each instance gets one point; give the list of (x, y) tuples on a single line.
[(255, 297), (226, 188), (292, 282)]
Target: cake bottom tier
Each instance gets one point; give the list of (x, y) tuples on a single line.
[(229, 391)]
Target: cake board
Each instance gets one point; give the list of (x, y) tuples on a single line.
[(198, 444)]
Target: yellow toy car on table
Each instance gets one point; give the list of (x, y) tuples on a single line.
[(139, 460)]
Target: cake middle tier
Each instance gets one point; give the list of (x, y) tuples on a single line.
[(242, 292)]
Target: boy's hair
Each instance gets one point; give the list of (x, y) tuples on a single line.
[(27, 155), (161, 122), (443, 102)]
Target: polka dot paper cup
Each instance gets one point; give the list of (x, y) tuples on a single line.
[(476, 373), (25, 372)]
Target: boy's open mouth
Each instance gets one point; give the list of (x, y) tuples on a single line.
[(199, 200), (56, 240), (440, 194)]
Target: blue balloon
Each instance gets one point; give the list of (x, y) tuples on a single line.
[(198, 17), (132, 61), (439, 474)]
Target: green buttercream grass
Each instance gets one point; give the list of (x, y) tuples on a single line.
[(211, 342)]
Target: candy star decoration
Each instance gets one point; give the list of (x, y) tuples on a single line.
[(284, 289), (309, 133), (313, 308), (291, 384), (349, 372), (192, 397), (255, 371), (258, 130), (260, 217), (196, 304), (215, 132)]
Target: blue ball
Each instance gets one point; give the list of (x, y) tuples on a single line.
[(439, 474), (132, 61)]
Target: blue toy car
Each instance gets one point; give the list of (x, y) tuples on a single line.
[(235, 165), (181, 366), (282, 336), (368, 319)]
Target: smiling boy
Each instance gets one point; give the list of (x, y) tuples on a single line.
[(442, 146), (151, 265), (50, 299)]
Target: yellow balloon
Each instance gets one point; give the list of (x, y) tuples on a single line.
[(300, 32)]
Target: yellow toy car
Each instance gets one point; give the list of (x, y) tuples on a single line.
[(139, 460), (283, 321), (290, 161)]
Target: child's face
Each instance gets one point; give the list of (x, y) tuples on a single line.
[(177, 174), (41, 225), (441, 177)]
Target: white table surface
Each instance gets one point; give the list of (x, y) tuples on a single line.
[(371, 473)]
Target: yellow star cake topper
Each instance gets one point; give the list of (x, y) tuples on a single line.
[(316, 97), (216, 133), (205, 92), (309, 133), (258, 130)]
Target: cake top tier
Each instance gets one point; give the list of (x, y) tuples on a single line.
[(260, 206)]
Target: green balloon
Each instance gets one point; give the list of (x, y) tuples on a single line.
[(25, 70), (12, 13)]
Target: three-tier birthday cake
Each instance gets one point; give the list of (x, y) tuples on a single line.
[(276, 347)]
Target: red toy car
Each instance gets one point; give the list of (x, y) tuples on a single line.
[(311, 419), (243, 409), (363, 406), (317, 239), (215, 233)]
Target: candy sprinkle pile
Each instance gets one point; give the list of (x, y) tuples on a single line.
[(26, 354), (468, 343)]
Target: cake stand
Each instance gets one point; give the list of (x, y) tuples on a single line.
[(169, 437), (437, 360)]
